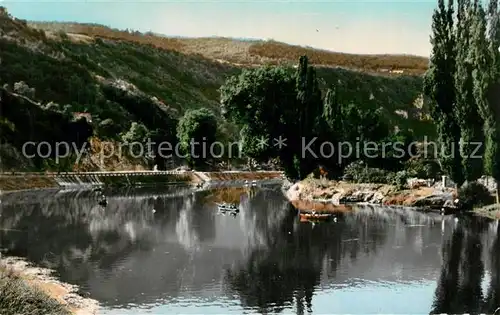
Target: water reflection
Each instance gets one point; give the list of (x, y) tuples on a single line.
[(170, 250), (462, 280)]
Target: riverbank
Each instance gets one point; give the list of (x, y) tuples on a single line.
[(491, 211), (25, 289), (26, 182), (325, 195), (30, 181)]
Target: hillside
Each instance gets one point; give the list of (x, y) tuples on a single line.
[(121, 76), (252, 52)]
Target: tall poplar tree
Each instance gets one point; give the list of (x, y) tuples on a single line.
[(310, 106), (471, 124), (487, 83), (439, 86)]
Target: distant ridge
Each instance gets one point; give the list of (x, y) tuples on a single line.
[(251, 51)]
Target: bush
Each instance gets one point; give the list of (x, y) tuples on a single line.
[(358, 172), (400, 179), (22, 88), (474, 195), (17, 297), (423, 168), (108, 129)]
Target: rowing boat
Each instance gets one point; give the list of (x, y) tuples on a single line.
[(315, 216), (227, 206)]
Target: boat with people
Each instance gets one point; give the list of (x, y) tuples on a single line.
[(227, 206), (315, 216)]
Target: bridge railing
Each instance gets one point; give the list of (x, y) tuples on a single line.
[(122, 173), (101, 173)]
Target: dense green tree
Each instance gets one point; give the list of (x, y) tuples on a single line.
[(471, 124), (309, 110), (487, 83), (272, 102), (439, 86), (137, 133), (136, 141), (331, 110), (196, 132), (263, 103)]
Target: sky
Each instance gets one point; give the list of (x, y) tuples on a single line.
[(352, 26)]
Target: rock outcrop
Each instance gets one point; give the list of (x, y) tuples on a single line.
[(337, 193)]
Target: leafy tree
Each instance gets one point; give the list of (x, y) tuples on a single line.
[(263, 103), (23, 89), (331, 110), (272, 102), (137, 133), (196, 132), (439, 86), (466, 111), (108, 128), (487, 83), (309, 110)]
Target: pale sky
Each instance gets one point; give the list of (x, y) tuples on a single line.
[(354, 26)]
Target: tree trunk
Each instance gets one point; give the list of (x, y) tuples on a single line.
[(498, 194)]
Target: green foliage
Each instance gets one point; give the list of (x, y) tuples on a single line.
[(400, 179), (387, 95), (23, 89), (439, 86), (40, 125), (473, 195), (359, 172), (137, 133), (273, 102), (196, 132), (332, 111), (11, 159), (423, 168), (261, 101), (467, 116), (84, 76), (108, 129)]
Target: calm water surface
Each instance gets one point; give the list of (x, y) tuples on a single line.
[(185, 257)]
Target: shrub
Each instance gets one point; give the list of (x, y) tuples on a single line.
[(474, 195), (108, 129), (358, 172), (400, 179), (423, 168), (17, 297), (22, 88)]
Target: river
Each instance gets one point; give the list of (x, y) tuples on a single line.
[(169, 251)]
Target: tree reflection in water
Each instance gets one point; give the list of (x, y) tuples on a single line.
[(288, 269), (459, 288)]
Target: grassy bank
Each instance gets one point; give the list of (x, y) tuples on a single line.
[(13, 183), (18, 297)]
